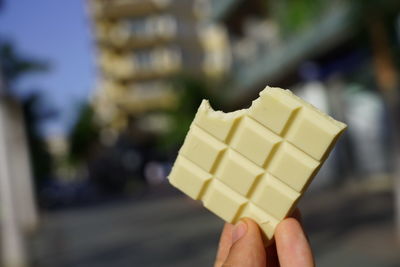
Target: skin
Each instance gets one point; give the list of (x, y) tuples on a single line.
[(241, 245)]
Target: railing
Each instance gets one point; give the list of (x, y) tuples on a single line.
[(120, 8), (143, 65), (137, 33)]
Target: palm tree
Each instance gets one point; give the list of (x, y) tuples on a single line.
[(13, 66)]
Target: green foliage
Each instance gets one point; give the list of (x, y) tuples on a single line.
[(294, 15), (13, 66), (83, 136), (191, 92), (40, 158)]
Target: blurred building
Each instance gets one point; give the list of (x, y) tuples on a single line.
[(322, 50), (271, 39), (142, 45)]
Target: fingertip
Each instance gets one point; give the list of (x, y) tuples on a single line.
[(292, 245), (288, 226), (248, 250), (253, 230), (251, 224), (239, 231)]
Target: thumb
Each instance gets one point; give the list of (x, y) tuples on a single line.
[(247, 246)]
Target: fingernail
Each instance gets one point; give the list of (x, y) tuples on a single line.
[(239, 231)]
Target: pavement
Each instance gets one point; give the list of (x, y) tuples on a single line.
[(346, 227)]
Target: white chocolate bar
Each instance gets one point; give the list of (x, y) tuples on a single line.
[(255, 162)]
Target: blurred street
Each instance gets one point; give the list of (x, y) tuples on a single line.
[(171, 230)]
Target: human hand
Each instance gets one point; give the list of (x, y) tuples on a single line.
[(241, 245)]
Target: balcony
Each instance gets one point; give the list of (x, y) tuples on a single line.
[(123, 8), (217, 55), (137, 33), (144, 65), (149, 97), (140, 97)]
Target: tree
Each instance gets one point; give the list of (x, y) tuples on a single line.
[(12, 67)]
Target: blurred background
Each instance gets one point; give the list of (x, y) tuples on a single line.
[(96, 97)]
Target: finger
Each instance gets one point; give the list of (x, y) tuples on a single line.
[(247, 247), (225, 243), (292, 245), (272, 255)]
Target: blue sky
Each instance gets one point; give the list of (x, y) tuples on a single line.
[(57, 31)]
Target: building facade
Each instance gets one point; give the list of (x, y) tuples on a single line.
[(142, 45)]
